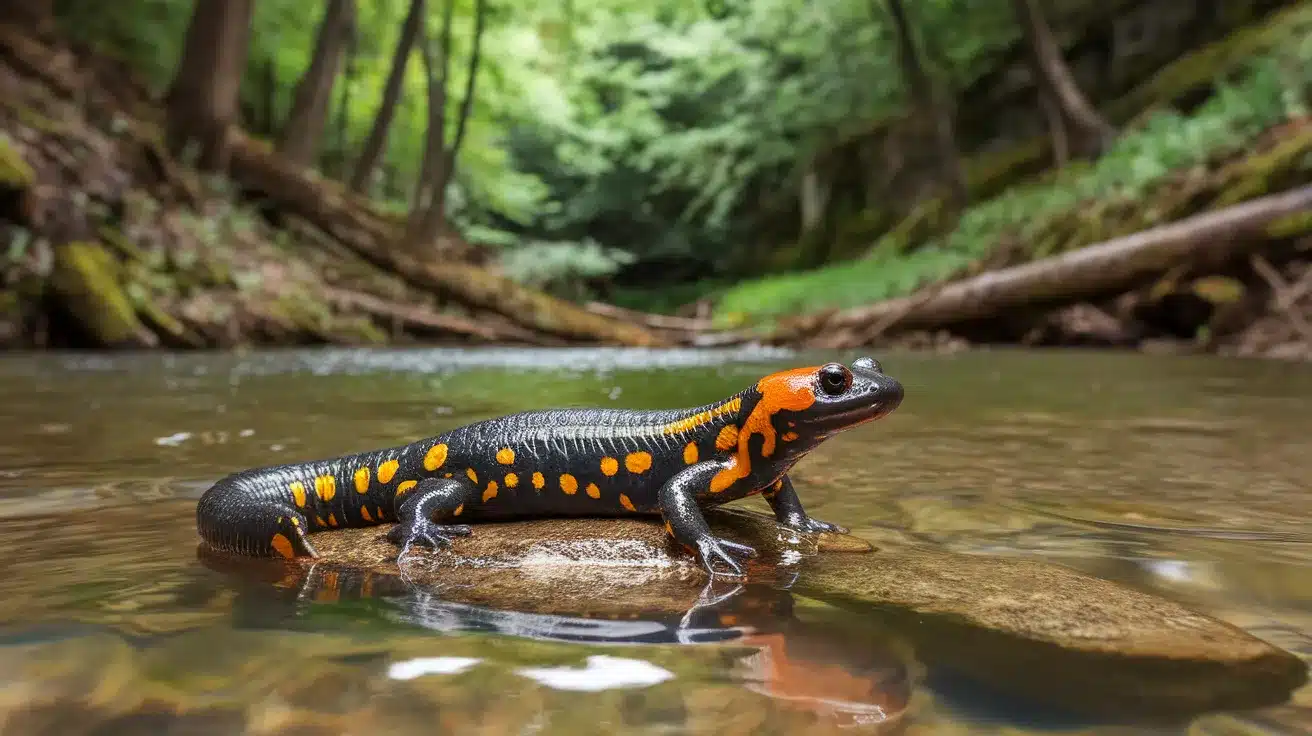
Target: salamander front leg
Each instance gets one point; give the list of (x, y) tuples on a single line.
[(431, 498), (788, 509), (684, 520)]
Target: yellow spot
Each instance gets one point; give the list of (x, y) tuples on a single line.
[(727, 438), (704, 417), (332, 520), (364, 513), (569, 484), (325, 487), (512, 480), (593, 490), (505, 456), (638, 462), (491, 491), (690, 453), (626, 503), (472, 475), (435, 457), (539, 481), (295, 521), (298, 494), (459, 509), (405, 486), (789, 436), (362, 480), (610, 466), (283, 545), (387, 471)]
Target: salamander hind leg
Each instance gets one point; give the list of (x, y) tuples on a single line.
[(417, 509), (684, 520), (787, 508)]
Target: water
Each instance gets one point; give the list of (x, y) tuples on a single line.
[(1187, 478)]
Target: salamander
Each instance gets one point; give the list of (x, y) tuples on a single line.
[(575, 462)]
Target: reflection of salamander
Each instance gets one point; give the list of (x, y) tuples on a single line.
[(578, 462)]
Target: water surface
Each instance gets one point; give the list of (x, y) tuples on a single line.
[(1186, 477)]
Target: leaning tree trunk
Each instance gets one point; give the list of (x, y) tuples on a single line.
[(309, 115), (377, 140), (423, 228), (1075, 123), (927, 98), (203, 100)]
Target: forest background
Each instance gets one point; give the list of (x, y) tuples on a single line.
[(1128, 173)]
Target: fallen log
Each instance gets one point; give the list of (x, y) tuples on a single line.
[(409, 315), (1095, 269), (259, 171)]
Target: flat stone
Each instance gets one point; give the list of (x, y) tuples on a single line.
[(1052, 632), (1027, 628)]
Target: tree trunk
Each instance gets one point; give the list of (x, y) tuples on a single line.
[(1084, 132), (340, 165), (377, 140), (202, 100), (309, 114), (436, 214), (34, 15), (928, 99), (1083, 273), (424, 229)]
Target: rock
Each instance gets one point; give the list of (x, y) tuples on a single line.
[(1049, 632), (600, 567), (1031, 630)]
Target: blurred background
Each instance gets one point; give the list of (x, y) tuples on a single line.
[(937, 173)]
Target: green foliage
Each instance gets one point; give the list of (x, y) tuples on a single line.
[(1275, 87)]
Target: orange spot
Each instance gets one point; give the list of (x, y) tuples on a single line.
[(690, 453), (459, 508), (362, 480), (593, 490), (505, 456), (626, 503), (789, 436), (379, 513), (610, 466), (512, 480), (491, 491), (472, 475), (325, 487), (727, 438), (638, 462), (569, 484), (283, 545), (779, 484), (298, 494), (405, 486), (435, 457), (321, 521), (728, 619), (732, 406), (387, 471), (364, 513), (786, 390), (332, 520), (539, 481), (669, 529)]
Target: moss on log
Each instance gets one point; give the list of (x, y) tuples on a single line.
[(15, 173), (85, 278)]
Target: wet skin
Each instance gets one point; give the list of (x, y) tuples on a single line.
[(568, 462)]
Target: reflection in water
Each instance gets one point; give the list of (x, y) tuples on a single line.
[(1184, 477)]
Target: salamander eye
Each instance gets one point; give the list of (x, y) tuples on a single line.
[(835, 379)]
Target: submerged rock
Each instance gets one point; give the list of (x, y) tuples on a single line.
[(1028, 629)]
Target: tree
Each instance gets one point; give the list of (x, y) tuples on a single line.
[(309, 115), (377, 140), (927, 99), (36, 15), (203, 97), (1074, 123), (439, 160)]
